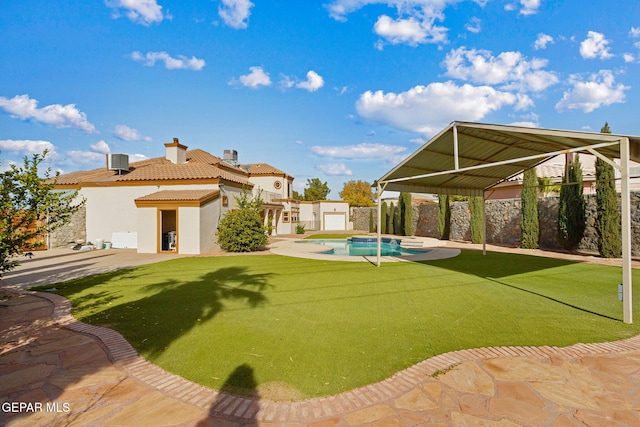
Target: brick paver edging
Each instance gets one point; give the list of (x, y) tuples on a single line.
[(229, 406)]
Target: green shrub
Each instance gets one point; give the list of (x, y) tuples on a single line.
[(242, 230), (371, 226), (299, 229), (530, 227), (608, 218), (475, 223), (383, 218), (392, 217), (571, 208), (444, 217), (407, 214)]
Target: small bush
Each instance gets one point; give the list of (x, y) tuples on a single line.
[(242, 230), (299, 229)]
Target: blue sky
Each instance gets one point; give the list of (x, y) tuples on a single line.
[(335, 89)]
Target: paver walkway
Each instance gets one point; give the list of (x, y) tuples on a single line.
[(55, 370)]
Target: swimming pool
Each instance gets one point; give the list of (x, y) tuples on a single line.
[(364, 246)]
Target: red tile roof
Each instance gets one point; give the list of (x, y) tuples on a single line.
[(200, 166), (180, 195)]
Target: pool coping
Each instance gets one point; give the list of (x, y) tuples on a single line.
[(290, 247)]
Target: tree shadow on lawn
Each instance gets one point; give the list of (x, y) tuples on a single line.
[(494, 266), (174, 307)]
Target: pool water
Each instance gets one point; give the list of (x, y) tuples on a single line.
[(362, 247)]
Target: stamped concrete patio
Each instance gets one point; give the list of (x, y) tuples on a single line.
[(92, 376)]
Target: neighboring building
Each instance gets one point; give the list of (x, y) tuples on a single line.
[(174, 203)]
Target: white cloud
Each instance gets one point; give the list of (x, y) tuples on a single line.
[(414, 24), (256, 78), (529, 7), (313, 83), (595, 46), (427, 109), (136, 157), (101, 147), (143, 12), (85, 157), (235, 13), (60, 116), (510, 69), (628, 57), (597, 91), (411, 31), (634, 32), (334, 169), (542, 41), (474, 25), (525, 124), (170, 63), (299, 141), (418, 140), (26, 146), (126, 133), (362, 151)]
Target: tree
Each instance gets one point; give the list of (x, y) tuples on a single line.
[(316, 190), (392, 216), (297, 196), (383, 218), (405, 214), (357, 194), (607, 218), (530, 228), (444, 217), (371, 223), (31, 208), (475, 222), (242, 229), (571, 208)]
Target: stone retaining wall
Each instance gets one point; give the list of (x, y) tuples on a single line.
[(503, 222), (68, 234)]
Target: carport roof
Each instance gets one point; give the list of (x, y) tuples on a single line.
[(469, 158)]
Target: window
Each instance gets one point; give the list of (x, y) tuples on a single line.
[(295, 213), (285, 216), (225, 201)]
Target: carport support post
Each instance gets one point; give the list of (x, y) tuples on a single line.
[(626, 232), (378, 228)]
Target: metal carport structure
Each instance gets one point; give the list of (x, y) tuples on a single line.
[(470, 158)]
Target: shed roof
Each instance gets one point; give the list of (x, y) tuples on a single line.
[(468, 158)]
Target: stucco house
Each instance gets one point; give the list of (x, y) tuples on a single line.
[(174, 203)]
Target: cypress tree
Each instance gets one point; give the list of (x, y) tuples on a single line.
[(530, 224), (475, 222), (371, 226), (571, 208), (444, 217), (608, 218), (383, 218), (400, 215), (407, 215), (392, 216)]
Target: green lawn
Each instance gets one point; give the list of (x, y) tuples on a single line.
[(302, 328)]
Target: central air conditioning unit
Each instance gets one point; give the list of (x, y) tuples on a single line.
[(231, 157), (118, 162)]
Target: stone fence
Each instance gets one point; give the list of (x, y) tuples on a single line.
[(503, 222)]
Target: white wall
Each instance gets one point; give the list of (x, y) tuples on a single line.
[(112, 209), (147, 230), (188, 230), (208, 226)]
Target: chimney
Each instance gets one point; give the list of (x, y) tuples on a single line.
[(176, 152)]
